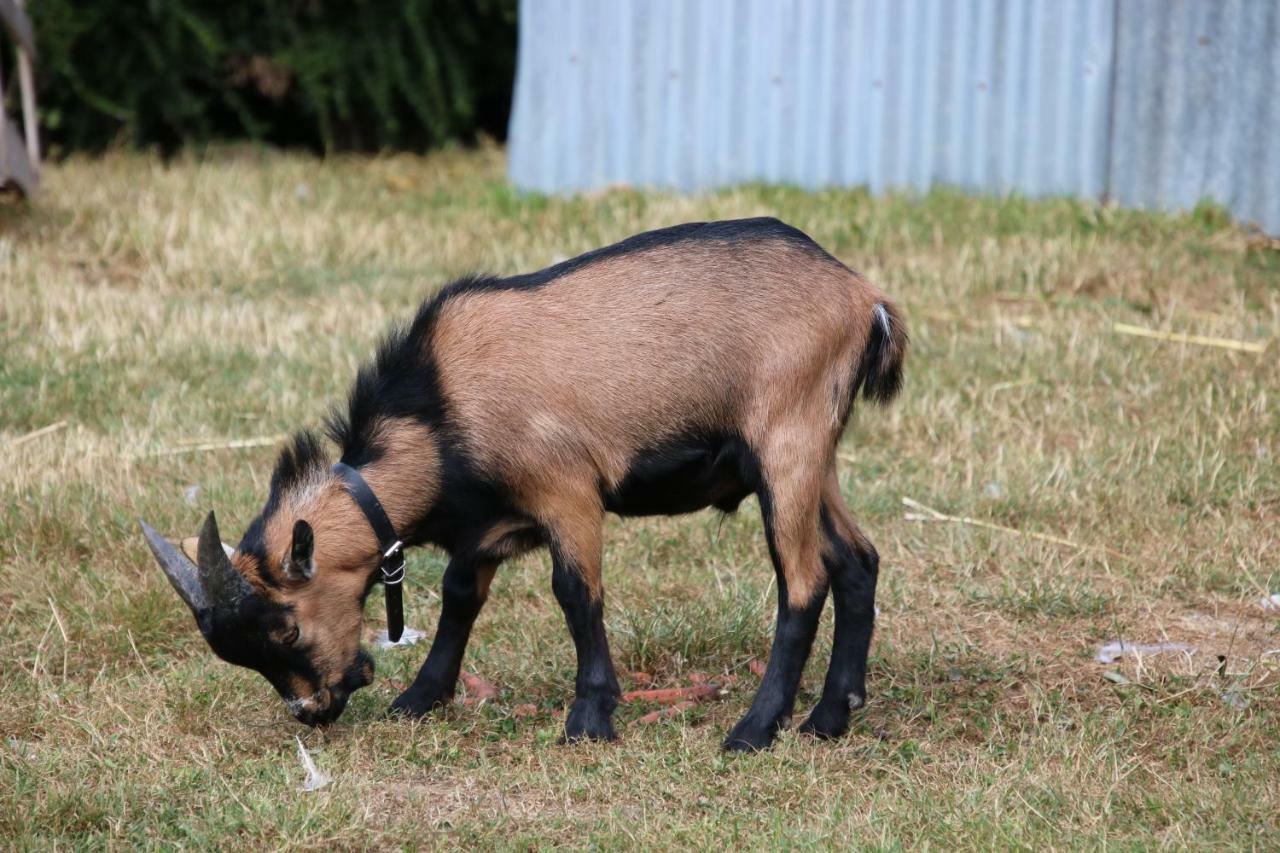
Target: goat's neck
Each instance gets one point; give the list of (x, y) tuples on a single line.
[(405, 477)]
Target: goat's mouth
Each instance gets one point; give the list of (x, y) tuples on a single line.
[(320, 708), (327, 704)]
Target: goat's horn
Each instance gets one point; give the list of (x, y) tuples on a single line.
[(180, 571), (223, 585)]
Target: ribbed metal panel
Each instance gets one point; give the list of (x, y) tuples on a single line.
[(1197, 106), (989, 95)]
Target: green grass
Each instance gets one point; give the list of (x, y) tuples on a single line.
[(151, 306)]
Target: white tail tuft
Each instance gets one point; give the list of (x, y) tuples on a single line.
[(883, 316)]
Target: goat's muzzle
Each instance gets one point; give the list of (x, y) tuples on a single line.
[(327, 704)]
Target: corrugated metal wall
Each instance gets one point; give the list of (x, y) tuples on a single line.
[(1197, 106), (1157, 102)]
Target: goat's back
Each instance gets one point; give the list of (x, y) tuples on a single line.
[(589, 362)]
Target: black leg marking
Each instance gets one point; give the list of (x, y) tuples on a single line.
[(771, 710), (853, 571), (596, 688), (463, 593)]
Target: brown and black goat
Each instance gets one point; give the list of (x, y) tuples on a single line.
[(682, 368)]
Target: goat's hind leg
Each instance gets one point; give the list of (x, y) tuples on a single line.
[(789, 500), (853, 565)]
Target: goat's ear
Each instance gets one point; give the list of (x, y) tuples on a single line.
[(300, 565)]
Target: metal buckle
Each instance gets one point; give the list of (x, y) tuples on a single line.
[(393, 564)]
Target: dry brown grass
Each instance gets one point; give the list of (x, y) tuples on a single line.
[(187, 306)]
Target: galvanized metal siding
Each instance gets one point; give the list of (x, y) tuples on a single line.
[(988, 95), (1197, 106)]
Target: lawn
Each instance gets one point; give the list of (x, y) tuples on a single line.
[(162, 324)]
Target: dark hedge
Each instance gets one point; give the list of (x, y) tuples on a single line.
[(352, 75)]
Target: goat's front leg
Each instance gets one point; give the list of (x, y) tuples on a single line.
[(464, 591), (576, 582)]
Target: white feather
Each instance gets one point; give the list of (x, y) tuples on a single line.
[(315, 779)]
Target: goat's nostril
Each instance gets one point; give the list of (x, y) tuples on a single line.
[(309, 709)]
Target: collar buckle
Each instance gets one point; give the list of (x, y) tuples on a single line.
[(393, 564)]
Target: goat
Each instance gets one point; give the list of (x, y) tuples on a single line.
[(683, 368)]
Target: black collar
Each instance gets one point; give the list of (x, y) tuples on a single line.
[(389, 544)]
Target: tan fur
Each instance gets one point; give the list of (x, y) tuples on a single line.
[(501, 539), (562, 387), (838, 512), (484, 578), (404, 489)]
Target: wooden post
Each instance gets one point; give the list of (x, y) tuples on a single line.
[(4, 137), (30, 125)]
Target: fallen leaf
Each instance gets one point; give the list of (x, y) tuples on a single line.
[(666, 713), (478, 687), (672, 695)]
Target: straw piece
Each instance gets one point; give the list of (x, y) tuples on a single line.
[(1199, 340), (1016, 383), (930, 514), (230, 444), (32, 436)]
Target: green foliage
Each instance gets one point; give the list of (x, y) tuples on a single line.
[(360, 74)]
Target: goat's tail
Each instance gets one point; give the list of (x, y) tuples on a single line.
[(879, 375)]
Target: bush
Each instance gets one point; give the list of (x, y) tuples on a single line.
[(356, 74)]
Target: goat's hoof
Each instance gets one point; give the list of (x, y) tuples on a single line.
[(750, 736), (588, 720), (827, 721), (413, 704)]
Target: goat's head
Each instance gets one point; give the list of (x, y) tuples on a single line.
[(304, 639), (289, 601)]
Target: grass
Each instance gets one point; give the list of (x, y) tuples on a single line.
[(154, 306)]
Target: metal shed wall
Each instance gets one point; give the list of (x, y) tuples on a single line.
[(1197, 106), (1046, 97)]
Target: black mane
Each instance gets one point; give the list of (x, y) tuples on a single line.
[(301, 457), (401, 381)]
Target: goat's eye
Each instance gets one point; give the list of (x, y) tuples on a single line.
[(290, 636)]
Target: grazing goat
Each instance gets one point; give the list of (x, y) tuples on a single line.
[(679, 369)]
